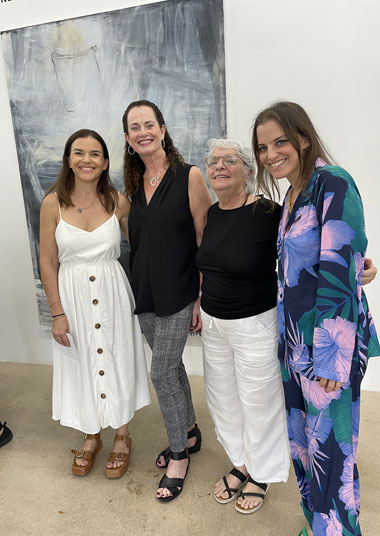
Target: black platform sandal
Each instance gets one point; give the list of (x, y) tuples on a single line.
[(172, 484), (6, 436), (194, 432)]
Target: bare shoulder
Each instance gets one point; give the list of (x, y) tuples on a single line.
[(198, 187), (49, 206), (196, 177), (123, 206), (122, 201)]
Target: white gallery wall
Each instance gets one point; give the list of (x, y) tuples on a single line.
[(323, 54)]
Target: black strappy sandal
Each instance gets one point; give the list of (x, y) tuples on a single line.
[(244, 494), (232, 492), (6, 436), (194, 432), (172, 484)]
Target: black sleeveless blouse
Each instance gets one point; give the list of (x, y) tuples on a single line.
[(164, 277)]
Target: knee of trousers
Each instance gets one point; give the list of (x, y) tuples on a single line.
[(164, 380)]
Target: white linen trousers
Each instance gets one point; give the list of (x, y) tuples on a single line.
[(244, 393)]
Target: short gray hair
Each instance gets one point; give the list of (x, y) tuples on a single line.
[(243, 151)]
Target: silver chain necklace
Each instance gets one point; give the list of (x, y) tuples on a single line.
[(153, 181)]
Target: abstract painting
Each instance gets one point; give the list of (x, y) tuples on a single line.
[(83, 72)]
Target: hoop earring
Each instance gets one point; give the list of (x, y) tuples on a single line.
[(163, 143), (129, 152)]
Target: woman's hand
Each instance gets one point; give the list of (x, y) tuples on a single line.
[(196, 322), (59, 329), (369, 273), (330, 385)]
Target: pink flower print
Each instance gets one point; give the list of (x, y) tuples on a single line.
[(359, 267), (329, 525), (334, 344), (314, 394), (349, 491), (301, 245), (320, 162), (335, 235)]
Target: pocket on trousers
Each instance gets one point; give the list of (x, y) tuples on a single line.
[(267, 321)]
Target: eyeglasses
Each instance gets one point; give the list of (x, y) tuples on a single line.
[(227, 159)]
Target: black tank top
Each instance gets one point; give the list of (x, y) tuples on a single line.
[(164, 277), (238, 260)]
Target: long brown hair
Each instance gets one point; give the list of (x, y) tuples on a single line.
[(65, 182), (133, 165), (295, 122)]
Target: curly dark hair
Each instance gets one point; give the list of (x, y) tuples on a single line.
[(133, 165), (64, 184)]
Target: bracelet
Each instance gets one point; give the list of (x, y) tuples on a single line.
[(58, 301), (56, 316)]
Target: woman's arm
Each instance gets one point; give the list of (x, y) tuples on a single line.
[(338, 305), (122, 212), (200, 201), (49, 267)]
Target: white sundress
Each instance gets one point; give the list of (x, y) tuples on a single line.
[(102, 379)]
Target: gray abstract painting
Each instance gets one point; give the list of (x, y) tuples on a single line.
[(83, 73)]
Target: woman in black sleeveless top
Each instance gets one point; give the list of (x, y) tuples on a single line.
[(243, 385), (170, 200)]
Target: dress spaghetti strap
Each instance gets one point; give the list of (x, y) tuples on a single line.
[(116, 201), (59, 206)]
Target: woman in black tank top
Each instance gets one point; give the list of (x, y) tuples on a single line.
[(243, 385), (169, 200)]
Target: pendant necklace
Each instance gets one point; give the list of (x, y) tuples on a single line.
[(80, 210), (153, 181)]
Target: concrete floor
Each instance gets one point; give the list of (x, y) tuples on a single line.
[(40, 497)]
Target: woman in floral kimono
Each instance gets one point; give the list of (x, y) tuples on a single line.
[(326, 332)]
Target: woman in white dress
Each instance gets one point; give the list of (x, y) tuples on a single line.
[(100, 375)]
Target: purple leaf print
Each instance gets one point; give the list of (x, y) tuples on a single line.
[(334, 344), (326, 203), (318, 430), (301, 245), (316, 395), (297, 438), (349, 492), (329, 525), (300, 355)]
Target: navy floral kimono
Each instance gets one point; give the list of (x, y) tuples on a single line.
[(325, 331)]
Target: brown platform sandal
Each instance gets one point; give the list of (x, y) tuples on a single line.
[(117, 472), (83, 470)]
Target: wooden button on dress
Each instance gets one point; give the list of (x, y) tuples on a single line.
[(92, 278), (103, 395)]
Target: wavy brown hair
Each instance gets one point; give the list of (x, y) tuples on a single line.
[(133, 165), (65, 182), (295, 122)]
